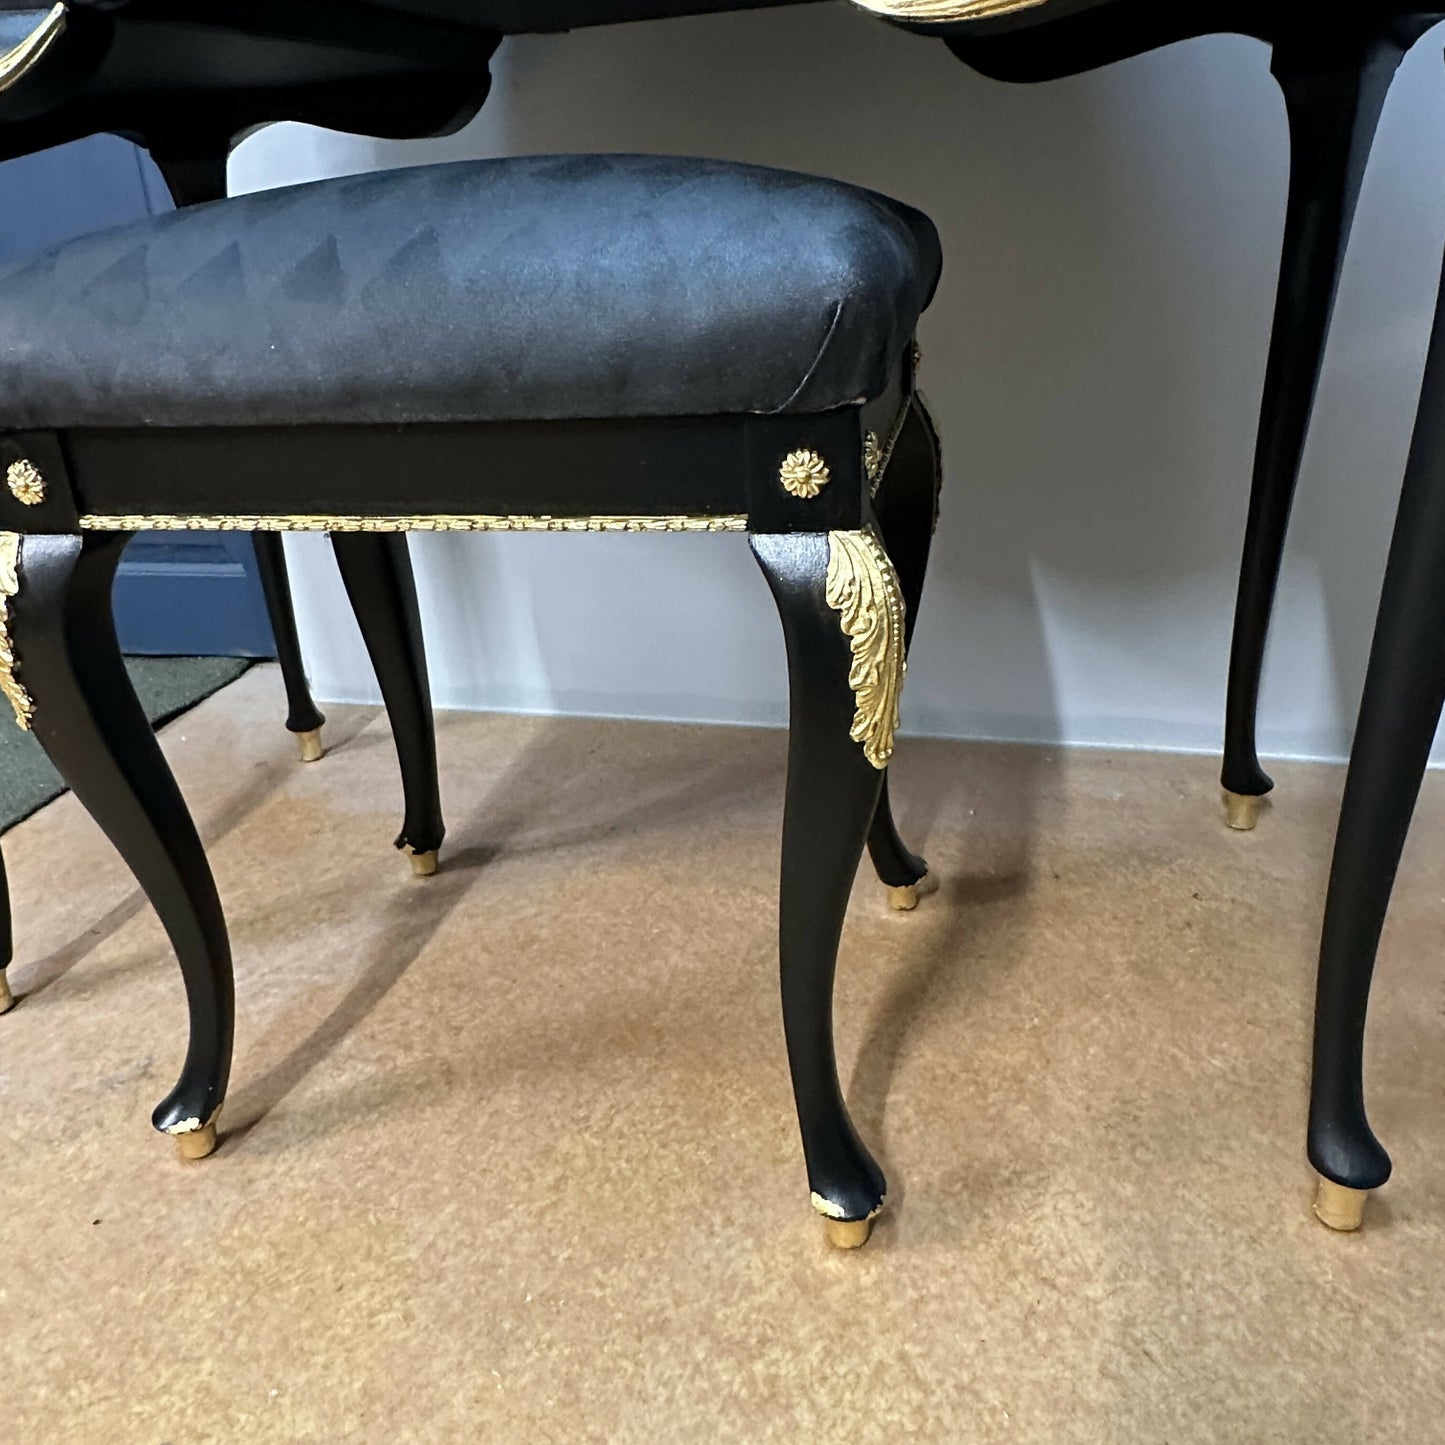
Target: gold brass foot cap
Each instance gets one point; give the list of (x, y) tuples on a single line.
[(7, 999), (1241, 811), (423, 865), (1338, 1207), (847, 1233), (197, 1143), (843, 1233), (310, 746), (905, 899)]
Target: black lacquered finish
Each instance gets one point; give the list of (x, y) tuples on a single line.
[(1399, 713), (839, 498), (95, 730), (1334, 67)]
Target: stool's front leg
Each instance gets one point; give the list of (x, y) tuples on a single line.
[(72, 688), (1400, 710), (907, 505), (842, 617), (303, 717), (1334, 103), (376, 568)]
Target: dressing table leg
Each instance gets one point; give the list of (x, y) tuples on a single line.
[(376, 570), (832, 791), (907, 508), (1333, 101), (1400, 710), (88, 719)]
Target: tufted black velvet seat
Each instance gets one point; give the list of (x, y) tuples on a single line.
[(577, 344), (550, 287)]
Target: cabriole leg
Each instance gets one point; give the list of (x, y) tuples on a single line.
[(907, 505), (842, 614), (303, 717), (7, 942), (1404, 690), (87, 717), (376, 568), (1333, 101)]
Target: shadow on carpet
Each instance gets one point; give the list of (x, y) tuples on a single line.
[(166, 686)]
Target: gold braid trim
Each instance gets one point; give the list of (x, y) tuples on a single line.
[(10, 683), (167, 523), (863, 588)]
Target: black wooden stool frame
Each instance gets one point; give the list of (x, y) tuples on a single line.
[(841, 535)]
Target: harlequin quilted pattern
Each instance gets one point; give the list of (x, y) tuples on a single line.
[(548, 287)]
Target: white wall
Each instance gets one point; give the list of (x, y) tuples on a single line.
[(1095, 357)]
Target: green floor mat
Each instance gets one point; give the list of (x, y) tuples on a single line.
[(167, 686)]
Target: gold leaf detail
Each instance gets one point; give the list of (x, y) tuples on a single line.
[(20, 60), (934, 11), (863, 588), (25, 482), (804, 473), (10, 683), (873, 459)]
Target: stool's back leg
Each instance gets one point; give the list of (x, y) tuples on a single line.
[(87, 717), (832, 791), (1404, 691), (7, 941), (303, 717), (907, 505), (1334, 103), (376, 568)]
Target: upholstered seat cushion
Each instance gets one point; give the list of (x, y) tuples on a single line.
[(548, 287)]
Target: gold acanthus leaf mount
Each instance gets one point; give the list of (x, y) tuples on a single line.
[(862, 587), (10, 684)]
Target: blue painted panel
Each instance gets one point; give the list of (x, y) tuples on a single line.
[(188, 594)]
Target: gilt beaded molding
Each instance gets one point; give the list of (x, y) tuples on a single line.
[(165, 522)]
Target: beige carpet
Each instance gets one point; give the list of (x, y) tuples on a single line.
[(510, 1154)]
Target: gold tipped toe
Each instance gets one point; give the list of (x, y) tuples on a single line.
[(310, 746), (905, 898), (7, 999), (197, 1143), (423, 865), (1338, 1207), (847, 1233), (1241, 811)]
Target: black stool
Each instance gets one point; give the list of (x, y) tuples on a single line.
[(569, 343)]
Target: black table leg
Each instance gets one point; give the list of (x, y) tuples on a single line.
[(303, 717), (907, 505), (833, 789), (376, 568), (1334, 101), (87, 717), (1404, 691)]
